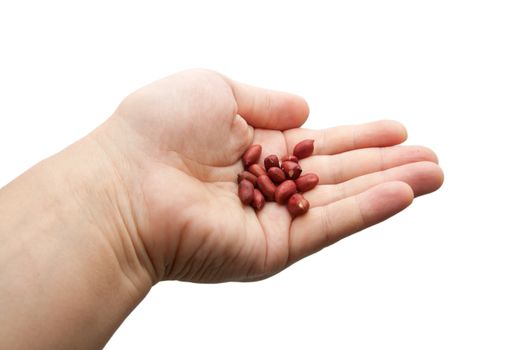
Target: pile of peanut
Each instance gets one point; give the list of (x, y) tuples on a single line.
[(279, 181)]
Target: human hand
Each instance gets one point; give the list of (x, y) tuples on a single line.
[(175, 149), (151, 195)]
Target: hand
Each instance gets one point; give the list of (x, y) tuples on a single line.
[(176, 146), (152, 195)]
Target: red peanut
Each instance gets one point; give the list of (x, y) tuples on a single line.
[(258, 200), (307, 182), (291, 169), (271, 161), (252, 155), (246, 191), (256, 170), (247, 176), (291, 158), (266, 186), (279, 181), (284, 191), (298, 205), (303, 149), (276, 174)]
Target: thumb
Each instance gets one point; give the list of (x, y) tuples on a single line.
[(269, 109)]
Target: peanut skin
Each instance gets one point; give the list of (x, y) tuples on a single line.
[(266, 186), (256, 170), (252, 155), (258, 200), (291, 169), (247, 176), (276, 174), (307, 182), (271, 161), (303, 149), (246, 191), (291, 158), (284, 191), (298, 205)]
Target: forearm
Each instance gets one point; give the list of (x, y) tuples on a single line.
[(68, 276)]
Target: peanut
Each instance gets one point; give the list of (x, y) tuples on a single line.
[(278, 181), (256, 170), (303, 149), (291, 169), (284, 191), (246, 191), (266, 186), (291, 158), (307, 182), (271, 161), (252, 155), (298, 205), (258, 200), (247, 176), (276, 174)]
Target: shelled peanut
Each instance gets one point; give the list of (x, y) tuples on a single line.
[(278, 180)]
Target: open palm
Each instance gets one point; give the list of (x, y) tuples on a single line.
[(181, 140)]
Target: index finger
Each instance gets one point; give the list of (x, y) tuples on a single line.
[(341, 139)]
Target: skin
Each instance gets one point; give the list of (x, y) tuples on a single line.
[(151, 195)]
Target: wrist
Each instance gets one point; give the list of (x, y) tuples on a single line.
[(103, 185), (67, 260)]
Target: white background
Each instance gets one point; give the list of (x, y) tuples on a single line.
[(451, 272)]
